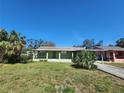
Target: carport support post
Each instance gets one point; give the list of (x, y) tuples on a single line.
[(47, 55), (102, 56), (72, 55), (59, 55), (33, 55), (114, 56)]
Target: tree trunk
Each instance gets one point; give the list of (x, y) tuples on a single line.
[(1, 58), (1, 55)]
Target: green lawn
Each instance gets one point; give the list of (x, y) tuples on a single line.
[(55, 78), (117, 64)]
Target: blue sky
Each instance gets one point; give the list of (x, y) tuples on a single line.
[(65, 22)]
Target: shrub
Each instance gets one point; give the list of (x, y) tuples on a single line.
[(85, 60), (24, 59)]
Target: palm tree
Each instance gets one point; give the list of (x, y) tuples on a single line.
[(17, 44), (11, 45), (3, 35), (4, 47), (3, 43)]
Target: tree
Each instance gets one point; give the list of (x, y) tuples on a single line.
[(18, 43), (4, 44), (100, 43), (3, 35), (11, 45), (110, 45), (120, 42), (4, 47), (88, 43), (85, 60), (33, 44), (48, 43)]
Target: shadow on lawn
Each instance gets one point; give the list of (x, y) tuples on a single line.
[(82, 67), (77, 66), (17, 62)]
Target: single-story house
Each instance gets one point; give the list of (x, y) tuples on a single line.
[(55, 54), (66, 54)]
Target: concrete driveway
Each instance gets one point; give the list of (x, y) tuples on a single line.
[(116, 71)]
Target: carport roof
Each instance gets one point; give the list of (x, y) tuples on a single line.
[(109, 48), (98, 48)]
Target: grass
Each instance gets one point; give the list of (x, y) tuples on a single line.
[(117, 64), (55, 78)]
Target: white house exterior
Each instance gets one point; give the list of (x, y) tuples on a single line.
[(55, 54), (66, 54)]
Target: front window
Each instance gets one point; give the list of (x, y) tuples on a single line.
[(53, 55), (66, 55), (41, 54)]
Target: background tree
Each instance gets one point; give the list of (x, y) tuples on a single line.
[(33, 43), (48, 43), (120, 42), (88, 43), (110, 45), (100, 43)]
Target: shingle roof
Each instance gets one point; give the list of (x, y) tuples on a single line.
[(109, 48), (60, 48), (100, 48)]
